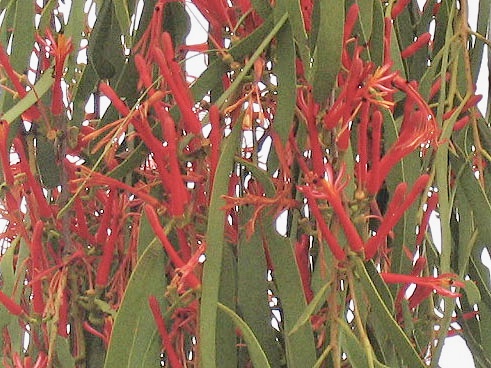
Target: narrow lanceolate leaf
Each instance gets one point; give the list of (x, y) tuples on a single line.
[(135, 341), (352, 346), (177, 22), (263, 7), (8, 283), (123, 17), (405, 348), (215, 237), (252, 289), (300, 346), (328, 48), (45, 157), (285, 71), (292, 8), (313, 307), (40, 88), (366, 17), (258, 357)]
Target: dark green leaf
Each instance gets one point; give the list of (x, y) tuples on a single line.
[(286, 74), (258, 357), (328, 48), (135, 340)]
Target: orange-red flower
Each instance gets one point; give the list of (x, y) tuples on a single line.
[(441, 284), (60, 48)]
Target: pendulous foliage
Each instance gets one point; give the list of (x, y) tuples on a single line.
[(272, 211)]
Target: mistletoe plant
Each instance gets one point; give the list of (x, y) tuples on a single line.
[(272, 211)]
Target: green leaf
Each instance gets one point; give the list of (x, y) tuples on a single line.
[(285, 71), (99, 50), (328, 48), (378, 31), (146, 236), (64, 357), (352, 346), (23, 34), (123, 17), (252, 288), (293, 9), (405, 348), (8, 281), (212, 270), (263, 7), (300, 346), (312, 308), (472, 292), (258, 357), (45, 157), (39, 89), (135, 341), (177, 22), (366, 17), (74, 28)]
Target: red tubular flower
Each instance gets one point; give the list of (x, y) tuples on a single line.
[(398, 7), (154, 221), (417, 269), (32, 113), (166, 339), (420, 42), (217, 13), (34, 185), (172, 73), (93, 331), (431, 205), (106, 260), (349, 23), (440, 284), (418, 128), (334, 197), (398, 205), (105, 219), (306, 7), (179, 196), (5, 153), (362, 165), (114, 98), (63, 314), (377, 121), (461, 123), (309, 109), (435, 87), (144, 73), (60, 49), (303, 264), (387, 41), (13, 308), (332, 241)]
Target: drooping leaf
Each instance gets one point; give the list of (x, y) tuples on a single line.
[(135, 341), (328, 48), (258, 357)]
